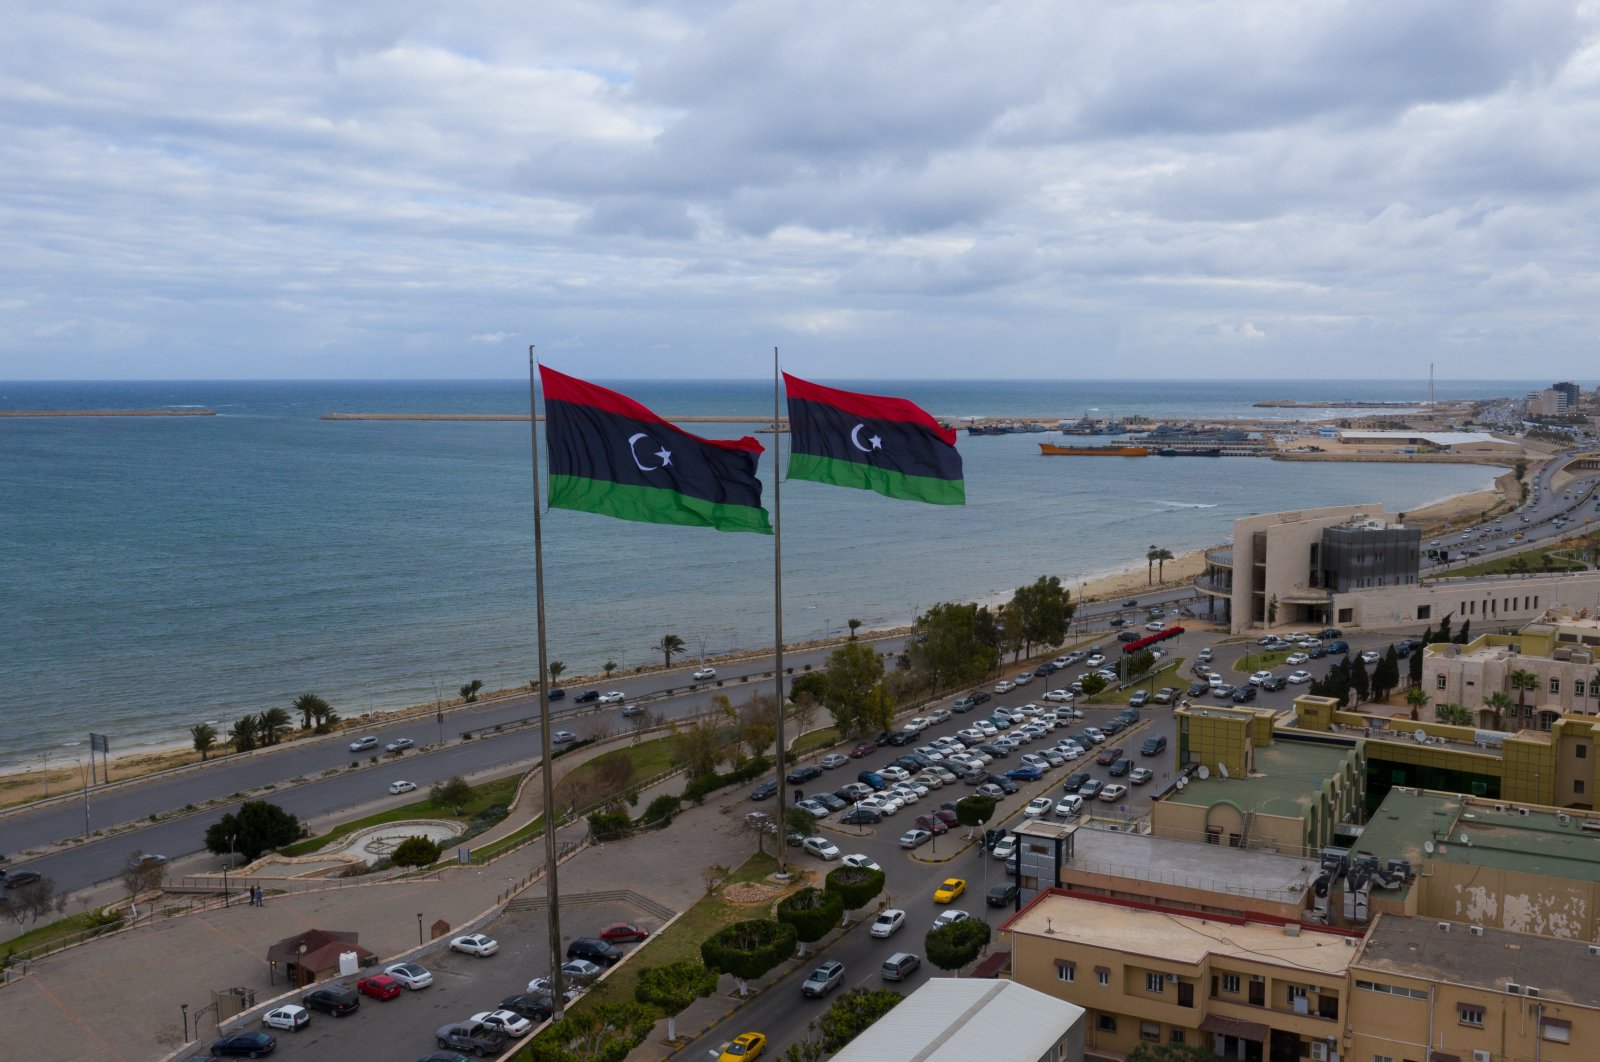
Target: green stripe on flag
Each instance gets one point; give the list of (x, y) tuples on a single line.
[(653, 505), (885, 482)]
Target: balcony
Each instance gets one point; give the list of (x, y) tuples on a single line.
[(1222, 558), (1216, 586)]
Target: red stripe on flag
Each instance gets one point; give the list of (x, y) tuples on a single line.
[(560, 387), (880, 407)]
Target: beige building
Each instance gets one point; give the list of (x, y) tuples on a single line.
[(957, 1019), (1449, 442), (1441, 991), (1554, 656)]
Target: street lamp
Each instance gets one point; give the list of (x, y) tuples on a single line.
[(419, 928), (225, 863), (185, 1007)]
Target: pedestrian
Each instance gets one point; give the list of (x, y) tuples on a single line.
[(261, 896)]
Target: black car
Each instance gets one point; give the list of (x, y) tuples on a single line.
[(1007, 786), (832, 802), (993, 751), (1130, 603), (1199, 689), (979, 696), (849, 796), (913, 762), (534, 1008), (803, 773), (1121, 621), (861, 817), (1244, 693), (1075, 781), (587, 696), (1090, 787), (558, 694), (1044, 671), (1121, 767), (1330, 632), (1002, 895), (332, 999), (252, 1044), (991, 837), (1129, 636), (765, 791), (902, 737), (595, 950), (1113, 726), (1275, 683), (1317, 652), (443, 1056), (21, 878)]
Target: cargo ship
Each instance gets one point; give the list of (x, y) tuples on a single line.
[(1051, 449)]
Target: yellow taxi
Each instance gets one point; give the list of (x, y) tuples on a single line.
[(951, 888), (743, 1047)]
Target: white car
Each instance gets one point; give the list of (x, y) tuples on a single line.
[(1113, 792), (1004, 847), (475, 944), (399, 745), (289, 1016), (705, 673), (950, 917), (821, 847), (986, 728), (1297, 677), (1070, 805), (1094, 734), (1070, 752), (894, 774), (1294, 659), (888, 923), (1060, 696), (1004, 686), (1371, 656), (910, 787), (1205, 655), (1094, 660), (915, 838), (1023, 678), (1155, 625), (833, 761), (905, 796), (858, 860), (581, 970), (1037, 806), (938, 715), (410, 974), (368, 742), (402, 787), (916, 724), (928, 780), (613, 697), (944, 774), (1259, 677), (508, 1021)]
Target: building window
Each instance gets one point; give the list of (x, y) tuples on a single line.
[(1577, 786), (1578, 689), (1296, 992), (1555, 684), (1382, 1058), (1150, 1031), (1555, 1030), (1582, 752), (1154, 982), (1066, 972), (1230, 983), (1102, 976), (1106, 1023), (1470, 1014), (1175, 1035), (1440, 682), (1424, 612)]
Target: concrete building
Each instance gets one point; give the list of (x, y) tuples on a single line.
[(1551, 402), (1451, 442), (951, 1019), (1251, 988), (1554, 656), (1456, 992)]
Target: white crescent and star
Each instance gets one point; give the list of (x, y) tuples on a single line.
[(855, 437), (633, 451)]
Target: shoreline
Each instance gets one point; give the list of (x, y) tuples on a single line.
[(24, 782), (108, 412)]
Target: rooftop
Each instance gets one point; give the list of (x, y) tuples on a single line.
[(1436, 438), (1190, 864), (1500, 834), (953, 1019), (1286, 776), (1406, 820), (1563, 970), (1171, 935)]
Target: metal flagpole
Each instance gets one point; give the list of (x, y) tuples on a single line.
[(777, 621), (552, 894)]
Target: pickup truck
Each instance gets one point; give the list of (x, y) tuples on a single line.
[(472, 1036)]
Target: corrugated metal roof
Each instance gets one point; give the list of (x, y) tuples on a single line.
[(956, 1019)]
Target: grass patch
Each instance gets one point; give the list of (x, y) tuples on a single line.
[(806, 744), (683, 939), (60, 931), (1166, 675), (1250, 663), (485, 795), (1542, 560)]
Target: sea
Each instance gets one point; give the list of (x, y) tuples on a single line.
[(157, 572)]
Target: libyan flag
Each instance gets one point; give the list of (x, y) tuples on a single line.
[(875, 443), (610, 455)]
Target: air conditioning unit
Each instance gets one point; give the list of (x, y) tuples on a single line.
[(1257, 977), (1172, 978), (1476, 931), (1480, 1055), (1319, 1051), (1531, 991), (1513, 988), (1522, 811)]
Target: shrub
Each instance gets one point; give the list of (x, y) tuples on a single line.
[(661, 810), (605, 825)]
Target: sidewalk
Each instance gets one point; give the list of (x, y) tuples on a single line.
[(118, 997)]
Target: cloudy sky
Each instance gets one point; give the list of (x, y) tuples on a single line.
[(928, 188)]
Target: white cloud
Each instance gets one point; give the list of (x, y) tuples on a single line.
[(209, 190)]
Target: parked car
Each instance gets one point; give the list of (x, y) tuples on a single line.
[(251, 1044), (833, 760), (1002, 895), (410, 974), (332, 999), (803, 773), (379, 986), (861, 817), (581, 971), (888, 922), (595, 950), (535, 1008), (1244, 694), (915, 838), (473, 1037), (1025, 773), (1140, 775), (1004, 686), (289, 1017), (1139, 699), (823, 979), (822, 848), (475, 944), (1165, 695), (765, 791), (507, 1021), (1113, 792), (1069, 806)]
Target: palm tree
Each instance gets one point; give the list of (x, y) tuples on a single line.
[(1499, 704), (556, 668), (1523, 681), (608, 667), (1150, 556), (323, 717), (273, 722), (205, 738), (1162, 556), (1418, 699), (669, 644), (245, 732), (469, 691), (309, 705), (853, 625)]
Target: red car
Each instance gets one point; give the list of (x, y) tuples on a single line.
[(623, 932), (379, 986), (863, 748)]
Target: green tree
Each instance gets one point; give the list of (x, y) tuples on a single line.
[(1386, 675), (605, 1032), (273, 724), (1140, 662), (802, 821), (669, 646), (246, 733), (255, 828), (852, 1013), (696, 748), (1171, 1053), (416, 851), (557, 669), (812, 912), (141, 874), (1093, 684), (453, 794), (1417, 698), (1524, 682), (469, 691), (856, 886), (1150, 556), (852, 673), (1272, 611), (1500, 704), (1414, 664), (1162, 556), (757, 723), (747, 950), (1466, 631), (659, 812), (854, 625), (673, 987), (205, 738), (952, 946), (1444, 629), (973, 811), (1456, 715), (310, 707), (1041, 612), (1360, 681), (608, 667), (953, 645), (323, 718)]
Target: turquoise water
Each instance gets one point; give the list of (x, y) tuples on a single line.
[(158, 572)]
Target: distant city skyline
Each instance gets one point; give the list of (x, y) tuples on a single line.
[(928, 190)]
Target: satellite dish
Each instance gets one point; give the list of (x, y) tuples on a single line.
[(1182, 782), (1427, 846), (1203, 773), (1420, 736), (1222, 768), (1465, 839)]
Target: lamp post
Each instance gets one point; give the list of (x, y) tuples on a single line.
[(185, 1007), (419, 928), (225, 863)]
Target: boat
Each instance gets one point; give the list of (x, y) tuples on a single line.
[(1054, 450)]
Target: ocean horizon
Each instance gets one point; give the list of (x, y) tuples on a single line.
[(164, 571)]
